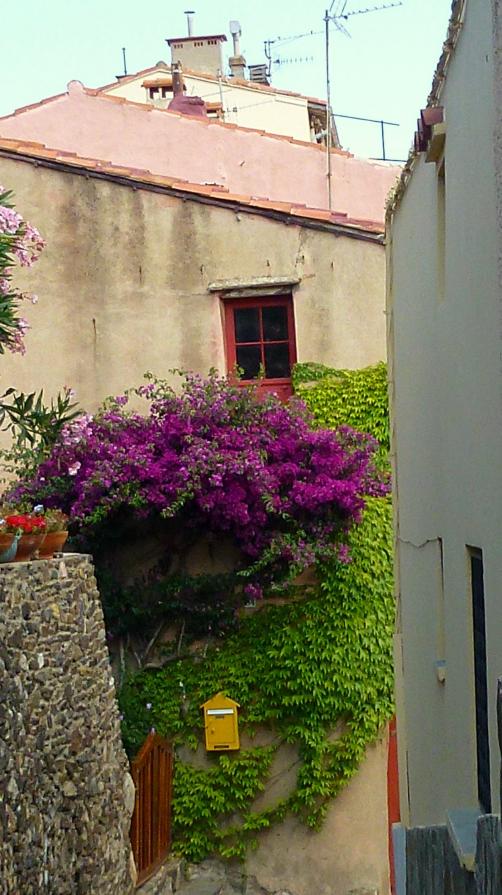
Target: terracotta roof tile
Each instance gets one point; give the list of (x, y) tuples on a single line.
[(42, 102), (165, 81), (215, 122), (148, 107), (304, 212), (39, 151), (126, 79), (242, 82)]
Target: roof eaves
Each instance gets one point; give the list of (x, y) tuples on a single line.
[(42, 102), (126, 79), (216, 122), (40, 154), (191, 72)]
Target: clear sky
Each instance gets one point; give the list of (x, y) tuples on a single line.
[(383, 71)]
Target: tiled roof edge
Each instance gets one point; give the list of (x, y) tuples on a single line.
[(209, 122), (242, 82), (38, 153), (28, 108), (146, 107)]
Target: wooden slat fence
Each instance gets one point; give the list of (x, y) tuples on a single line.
[(433, 868), (432, 864), (152, 772)]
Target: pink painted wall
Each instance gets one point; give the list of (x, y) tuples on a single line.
[(245, 162)]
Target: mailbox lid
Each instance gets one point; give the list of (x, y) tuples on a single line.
[(221, 723), (220, 701)]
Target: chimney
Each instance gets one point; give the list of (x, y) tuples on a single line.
[(190, 14), (237, 62), (176, 72), (199, 53), (181, 103)]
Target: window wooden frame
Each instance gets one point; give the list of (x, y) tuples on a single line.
[(281, 386)]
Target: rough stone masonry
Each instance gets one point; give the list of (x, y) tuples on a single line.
[(65, 791)]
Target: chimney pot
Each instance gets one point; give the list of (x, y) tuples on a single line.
[(177, 79), (237, 62), (190, 14)]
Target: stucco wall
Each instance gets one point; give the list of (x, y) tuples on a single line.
[(202, 151), (350, 851), (275, 113), (67, 797), (447, 430), (123, 284), (348, 855)]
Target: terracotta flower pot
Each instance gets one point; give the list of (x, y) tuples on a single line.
[(8, 547), (52, 543), (28, 546)]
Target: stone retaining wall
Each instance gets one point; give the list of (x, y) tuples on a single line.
[(66, 796)]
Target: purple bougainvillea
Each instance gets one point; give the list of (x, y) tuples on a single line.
[(217, 459)]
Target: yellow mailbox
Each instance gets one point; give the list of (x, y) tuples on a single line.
[(221, 723)]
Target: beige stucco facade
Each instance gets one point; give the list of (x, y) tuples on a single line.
[(124, 283), (444, 295), (348, 855)]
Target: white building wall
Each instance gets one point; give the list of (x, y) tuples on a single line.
[(447, 424), (254, 107)]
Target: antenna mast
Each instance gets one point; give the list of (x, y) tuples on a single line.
[(268, 44), (338, 16)]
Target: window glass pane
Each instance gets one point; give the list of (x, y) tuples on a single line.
[(247, 324), (249, 359), (275, 323), (277, 364)]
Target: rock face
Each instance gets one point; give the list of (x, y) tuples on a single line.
[(66, 806)]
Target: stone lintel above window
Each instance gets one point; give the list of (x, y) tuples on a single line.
[(253, 286)]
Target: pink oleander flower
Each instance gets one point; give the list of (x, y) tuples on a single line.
[(20, 243), (10, 221)]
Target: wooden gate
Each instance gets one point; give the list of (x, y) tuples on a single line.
[(152, 772)]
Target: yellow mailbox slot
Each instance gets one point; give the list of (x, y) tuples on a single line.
[(221, 723)]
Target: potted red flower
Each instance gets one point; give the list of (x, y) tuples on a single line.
[(31, 529), (8, 542)]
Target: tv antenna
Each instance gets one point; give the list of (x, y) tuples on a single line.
[(277, 41), (339, 15)]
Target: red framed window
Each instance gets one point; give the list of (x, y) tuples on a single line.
[(260, 336)]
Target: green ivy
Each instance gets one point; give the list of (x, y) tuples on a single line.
[(298, 670), (356, 398)]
